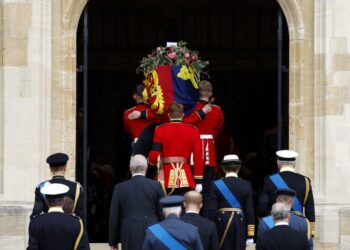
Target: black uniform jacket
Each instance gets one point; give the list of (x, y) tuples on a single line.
[(40, 204), (242, 190), (134, 207), (295, 181), (282, 237), (57, 231), (206, 229)]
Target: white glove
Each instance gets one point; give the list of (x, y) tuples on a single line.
[(198, 188), (249, 242)]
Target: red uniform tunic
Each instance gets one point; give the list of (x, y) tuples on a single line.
[(135, 127), (209, 126), (177, 140)]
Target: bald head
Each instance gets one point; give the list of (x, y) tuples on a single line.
[(193, 201)]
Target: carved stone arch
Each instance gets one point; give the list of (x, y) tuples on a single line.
[(65, 18), (301, 112), (64, 23), (72, 13), (292, 12)]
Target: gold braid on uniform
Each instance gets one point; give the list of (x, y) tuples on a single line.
[(250, 230), (312, 226), (308, 229), (76, 197), (79, 235), (307, 189), (226, 229)]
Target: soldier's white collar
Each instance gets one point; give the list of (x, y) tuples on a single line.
[(55, 209), (280, 223), (191, 211), (287, 168), (232, 174), (138, 174)]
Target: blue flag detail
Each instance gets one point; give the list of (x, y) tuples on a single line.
[(280, 183), (269, 221), (185, 91), (228, 195), (167, 239)]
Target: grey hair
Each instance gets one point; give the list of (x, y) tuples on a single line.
[(285, 163), (172, 210), (280, 211), (138, 164)]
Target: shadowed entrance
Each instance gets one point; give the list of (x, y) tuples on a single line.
[(240, 41)]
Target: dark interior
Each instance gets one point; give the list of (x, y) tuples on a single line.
[(239, 38)]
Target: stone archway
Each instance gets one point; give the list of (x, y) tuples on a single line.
[(65, 18)]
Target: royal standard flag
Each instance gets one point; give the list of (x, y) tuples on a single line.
[(171, 83)]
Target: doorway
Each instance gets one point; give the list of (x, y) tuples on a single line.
[(240, 41)]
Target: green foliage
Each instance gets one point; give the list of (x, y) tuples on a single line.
[(179, 55)]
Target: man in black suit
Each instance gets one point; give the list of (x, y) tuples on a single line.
[(282, 236), (134, 207), (58, 166), (172, 233), (288, 178), (230, 205), (56, 230), (206, 228)]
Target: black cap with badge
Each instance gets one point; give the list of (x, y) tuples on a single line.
[(171, 201), (57, 160)]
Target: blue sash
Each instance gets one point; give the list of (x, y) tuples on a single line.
[(280, 183), (269, 221), (228, 195), (168, 240)]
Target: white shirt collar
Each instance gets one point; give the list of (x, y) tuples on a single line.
[(231, 174), (55, 209), (287, 168), (138, 174), (192, 211), (280, 223)]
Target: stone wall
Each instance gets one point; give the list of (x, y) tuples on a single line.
[(25, 81), (37, 105)]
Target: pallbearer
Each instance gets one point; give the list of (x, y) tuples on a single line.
[(173, 144), (132, 125), (288, 178), (230, 205), (209, 120)]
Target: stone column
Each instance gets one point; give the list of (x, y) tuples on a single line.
[(332, 120), (26, 78)]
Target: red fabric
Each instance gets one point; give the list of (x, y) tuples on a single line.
[(178, 139), (135, 127), (166, 83), (208, 152), (151, 115), (211, 124)]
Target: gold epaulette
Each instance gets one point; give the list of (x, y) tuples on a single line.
[(250, 230), (312, 226)]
